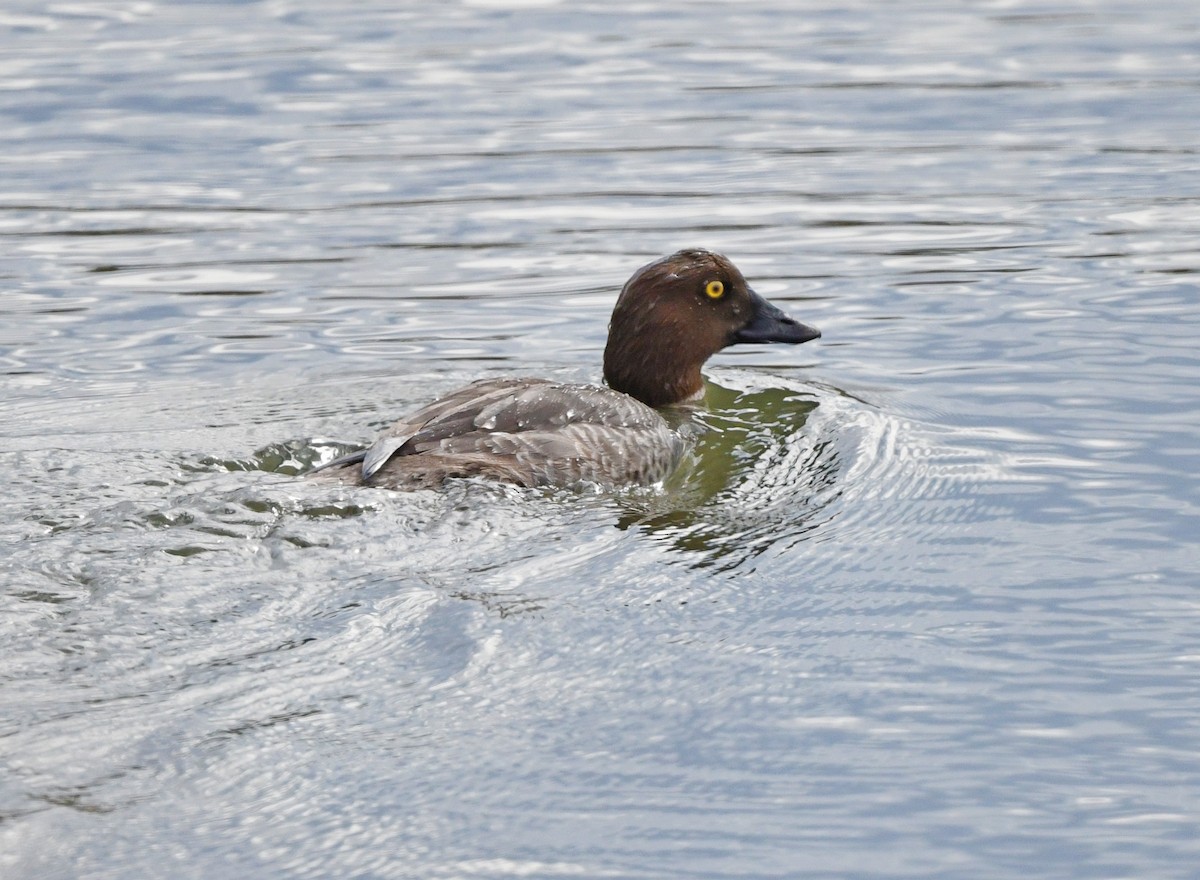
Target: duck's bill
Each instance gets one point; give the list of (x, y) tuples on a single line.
[(771, 324)]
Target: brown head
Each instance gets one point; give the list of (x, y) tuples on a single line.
[(676, 313)]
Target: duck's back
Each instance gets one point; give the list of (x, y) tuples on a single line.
[(531, 432)]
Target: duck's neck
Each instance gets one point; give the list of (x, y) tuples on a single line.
[(653, 376)]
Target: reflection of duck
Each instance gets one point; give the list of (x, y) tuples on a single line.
[(755, 478), (671, 316)]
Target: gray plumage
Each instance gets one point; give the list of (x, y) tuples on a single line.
[(531, 432)]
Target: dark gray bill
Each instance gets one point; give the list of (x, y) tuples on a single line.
[(771, 324)]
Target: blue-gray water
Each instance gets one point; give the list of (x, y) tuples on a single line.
[(926, 603)]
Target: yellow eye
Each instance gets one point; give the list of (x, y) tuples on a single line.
[(715, 290)]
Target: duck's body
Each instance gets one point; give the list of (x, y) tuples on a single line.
[(530, 432), (671, 316)]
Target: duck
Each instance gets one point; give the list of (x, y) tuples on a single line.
[(671, 316)]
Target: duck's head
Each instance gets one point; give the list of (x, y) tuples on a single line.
[(674, 314)]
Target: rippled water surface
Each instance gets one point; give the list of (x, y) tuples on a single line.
[(924, 602)]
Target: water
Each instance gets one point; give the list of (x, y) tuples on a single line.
[(925, 603)]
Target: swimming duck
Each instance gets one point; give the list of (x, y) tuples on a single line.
[(671, 316)]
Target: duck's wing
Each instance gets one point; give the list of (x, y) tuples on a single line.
[(454, 413), (556, 433), (530, 406)]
